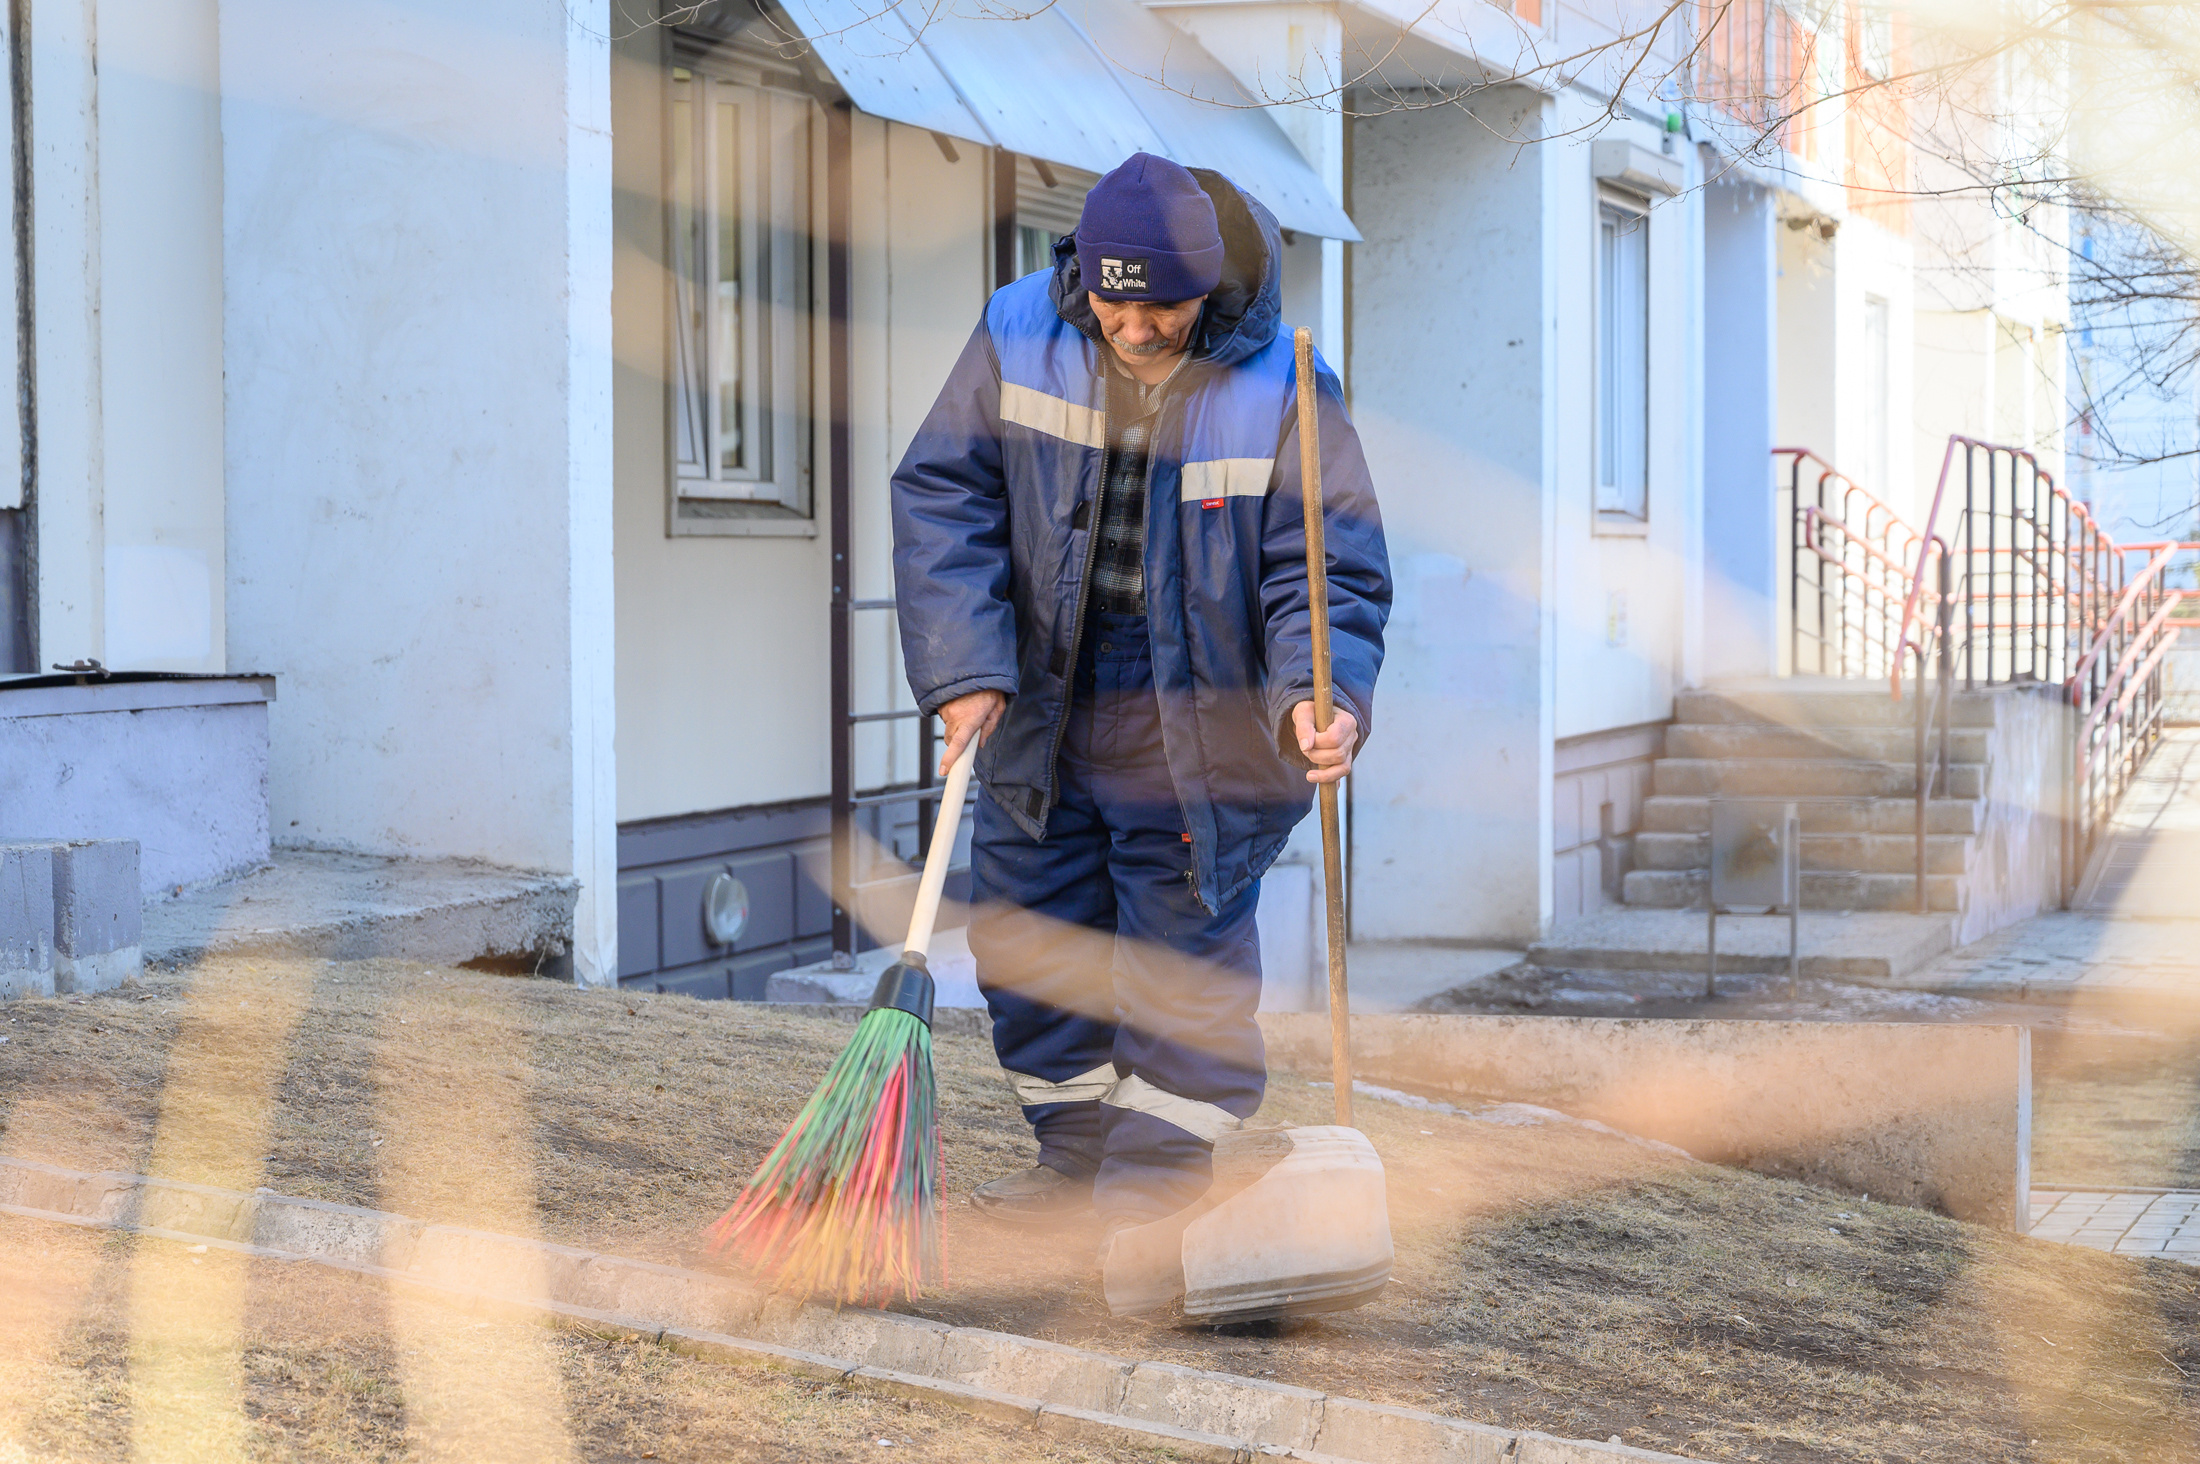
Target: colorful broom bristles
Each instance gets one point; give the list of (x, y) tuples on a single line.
[(846, 1204)]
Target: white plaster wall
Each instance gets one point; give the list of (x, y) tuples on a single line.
[(1620, 597), (1451, 364), (710, 630), (159, 269), (1871, 260), (724, 669), (1808, 357), (417, 279), (1743, 577)]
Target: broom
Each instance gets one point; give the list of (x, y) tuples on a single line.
[(846, 1204)]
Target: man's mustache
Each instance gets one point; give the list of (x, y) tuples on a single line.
[(1151, 348)]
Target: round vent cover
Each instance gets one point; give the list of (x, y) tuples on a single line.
[(725, 908)]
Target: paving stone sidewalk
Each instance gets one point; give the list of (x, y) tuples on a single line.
[(2136, 934), (2161, 1223)]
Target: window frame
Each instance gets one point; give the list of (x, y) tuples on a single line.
[(1619, 507), (782, 242)]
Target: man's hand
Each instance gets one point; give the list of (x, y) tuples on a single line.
[(1330, 752), (973, 714)]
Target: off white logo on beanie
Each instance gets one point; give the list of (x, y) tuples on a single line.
[(1125, 275)]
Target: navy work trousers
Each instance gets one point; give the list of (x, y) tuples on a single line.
[(1122, 1010)]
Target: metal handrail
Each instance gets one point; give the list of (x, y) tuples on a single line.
[(2015, 578)]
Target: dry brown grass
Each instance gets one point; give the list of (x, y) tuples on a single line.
[(2117, 1110), (1547, 1277), (321, 1375)]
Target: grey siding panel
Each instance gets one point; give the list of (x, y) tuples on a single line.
[(708, 984), (702, 835), (637, 925), (680, 938), (781, 854), (751, 972), (813, 882), (769, 877)]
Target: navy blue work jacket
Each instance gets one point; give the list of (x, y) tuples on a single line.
[(991, 552)]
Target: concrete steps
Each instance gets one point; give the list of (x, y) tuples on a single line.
[(1802, 777), (1820, 702), (1841, 853), (1685, 889), (1691, 814), (1845, 751), (1721, 740)]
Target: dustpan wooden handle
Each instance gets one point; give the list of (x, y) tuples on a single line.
[(1317, 597), (942, 852)]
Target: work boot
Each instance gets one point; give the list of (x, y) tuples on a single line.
[(1035, 1197)]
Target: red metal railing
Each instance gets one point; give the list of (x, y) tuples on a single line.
[(1849, 571), (2118, 693), (2009, 581)]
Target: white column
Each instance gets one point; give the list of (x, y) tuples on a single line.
[(1741, 572), (1454, 358), (64, 90), (589, 479)]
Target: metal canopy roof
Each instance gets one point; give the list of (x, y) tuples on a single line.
[(1080, 82)]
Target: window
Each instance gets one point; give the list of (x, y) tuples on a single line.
[(1623, 362), (1877, 401), (1049, 197), (740, 163)]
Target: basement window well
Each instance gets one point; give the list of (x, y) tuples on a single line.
[(739, 237)]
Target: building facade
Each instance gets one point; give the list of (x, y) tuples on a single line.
[(531, 423)]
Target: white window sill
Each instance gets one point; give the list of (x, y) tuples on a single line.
[(742, 528), (1610, 525)]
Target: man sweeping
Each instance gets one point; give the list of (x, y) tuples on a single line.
[(1099, 558)]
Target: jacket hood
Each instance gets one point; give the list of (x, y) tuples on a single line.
[(1244, 311)]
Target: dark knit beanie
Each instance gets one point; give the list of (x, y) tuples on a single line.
[(1148, 232)]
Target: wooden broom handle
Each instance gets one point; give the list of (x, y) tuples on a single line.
[(1325, 711), (942, 852)]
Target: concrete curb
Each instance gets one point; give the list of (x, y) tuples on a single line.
[(1058, 1390)]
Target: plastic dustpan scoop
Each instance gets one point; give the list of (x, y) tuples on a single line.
[(1295, 1224)]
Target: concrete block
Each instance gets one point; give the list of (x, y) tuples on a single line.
[(336, 1232), (1112, 1430), (872, 1339), (1935, 1115), (36, 1186), (1023, 1366), (954, 976), (665, 1295), (714, 1347), (503, 1265), (97, 932), (1240, 1408), (1542, 1448), (1355, 1430), (180, 766), (26, 920), (983, 1402), (194, 1209)]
